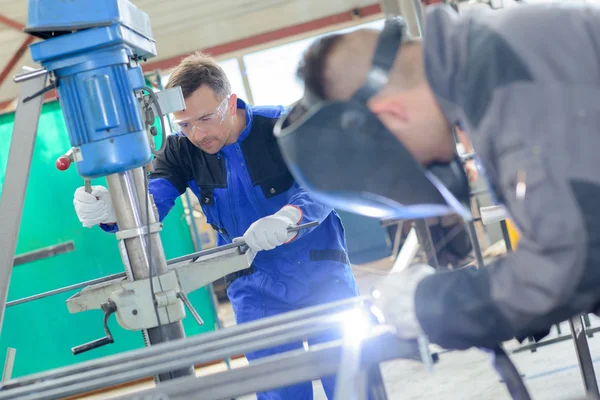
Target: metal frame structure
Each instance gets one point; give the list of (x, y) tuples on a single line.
[(16, 178), (347, 358)]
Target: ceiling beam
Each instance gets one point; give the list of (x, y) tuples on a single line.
[(12, 23), (271, 36), (15, 58), (260, 39)]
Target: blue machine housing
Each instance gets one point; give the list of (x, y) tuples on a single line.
[(97, 74)]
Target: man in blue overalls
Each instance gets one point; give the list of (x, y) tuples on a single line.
[(225, 152)]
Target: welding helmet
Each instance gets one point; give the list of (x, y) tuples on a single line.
[(343, 154)]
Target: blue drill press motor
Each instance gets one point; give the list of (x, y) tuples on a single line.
[(92, 49)]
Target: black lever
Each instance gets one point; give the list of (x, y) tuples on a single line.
[(108, 308)]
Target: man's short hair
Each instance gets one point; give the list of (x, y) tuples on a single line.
[(199, 69), (311, 69)]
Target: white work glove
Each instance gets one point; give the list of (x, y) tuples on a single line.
[(270, 232), (394, 296), (94, 208)]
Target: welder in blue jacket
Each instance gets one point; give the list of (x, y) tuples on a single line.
[(225, 152)]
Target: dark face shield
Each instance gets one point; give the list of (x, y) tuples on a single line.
[(347, 158)]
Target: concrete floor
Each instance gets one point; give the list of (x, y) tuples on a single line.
[(551, 373)]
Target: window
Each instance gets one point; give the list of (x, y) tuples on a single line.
[(272, 72), (232, 70)]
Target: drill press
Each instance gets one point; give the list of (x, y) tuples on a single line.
[(91, 52)]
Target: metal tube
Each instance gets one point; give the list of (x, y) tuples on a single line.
[(169, 360), (123, 274), (586, 364), (46, 252), (506, 236), (64, 289), (412, 12), (476, 245), (15, 180), (294, 368), (133, 209), (279, 371), (9, 363), (241, 330), (424, 235), (29, 75)]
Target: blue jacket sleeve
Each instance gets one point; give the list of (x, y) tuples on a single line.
[(312, 210)]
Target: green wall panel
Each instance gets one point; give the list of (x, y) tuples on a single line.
[(43, 331)]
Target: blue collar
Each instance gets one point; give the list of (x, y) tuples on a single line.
[(242, 105)]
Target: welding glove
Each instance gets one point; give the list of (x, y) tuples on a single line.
[(270, 232), (394, 296), (94, 208)]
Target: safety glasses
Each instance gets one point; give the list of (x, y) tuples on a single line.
[(204, 121)]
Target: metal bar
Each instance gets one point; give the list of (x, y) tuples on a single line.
[(172, 360), (245, 80), (347, 385), (411, 11), (15, 181), (242, 330), (144, 256), (476, 245), (586, 365), (34, 73), (9, 363), (236, 244), (278, 371), (547, 342), (376, 386), (191, 308), (506, 236), (510, 375), (65, 289), (424, 235), (46, 252), (121, 275)]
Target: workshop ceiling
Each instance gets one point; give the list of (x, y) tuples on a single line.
[(183, 26)]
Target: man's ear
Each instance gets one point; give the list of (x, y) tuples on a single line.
[(389, 106), (233, 104)]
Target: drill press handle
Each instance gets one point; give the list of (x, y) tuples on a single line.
[(108, 308)]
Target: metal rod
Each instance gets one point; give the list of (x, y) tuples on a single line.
[(190, 307), (582, 349), (476, 245), (46, 252), (241, 330), (144, 256), (15, 181), (547, 342), (376, 386), (277, 371), (424, 235), (9, 363), (238, 243), (506, 236), (121, 275), (30, 75), (172, 360), (65, 289)]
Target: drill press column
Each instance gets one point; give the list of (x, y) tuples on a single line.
[(135, 213)]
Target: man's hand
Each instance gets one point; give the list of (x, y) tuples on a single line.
[(94, 208), (394, 295), (270, 232)]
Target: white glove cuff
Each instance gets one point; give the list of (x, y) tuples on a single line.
[(293, 213)]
